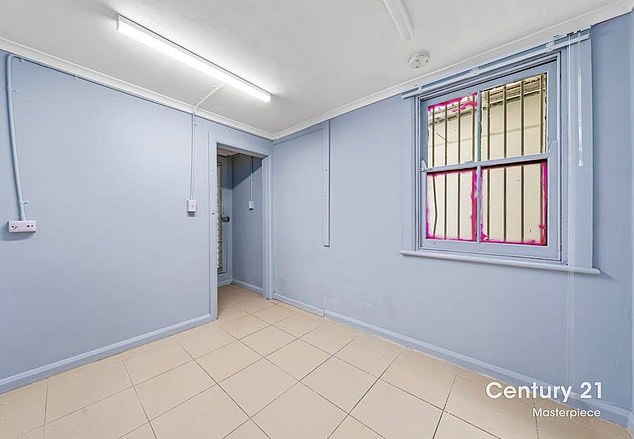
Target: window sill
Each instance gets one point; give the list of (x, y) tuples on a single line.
[(499, 261)]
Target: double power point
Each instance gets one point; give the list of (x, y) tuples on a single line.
[(22, 226)]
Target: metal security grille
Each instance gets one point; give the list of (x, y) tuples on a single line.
[(219, 217), (486, 174)]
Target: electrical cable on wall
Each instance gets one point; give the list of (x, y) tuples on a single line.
[(14, 148), (251, 203), (191, 202), (23, 225)]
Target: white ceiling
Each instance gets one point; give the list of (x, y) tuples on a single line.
[(319, 58)]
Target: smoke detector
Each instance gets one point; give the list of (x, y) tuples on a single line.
[(419, 60)]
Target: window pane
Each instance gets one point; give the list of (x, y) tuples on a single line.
[(451, 205), (514, 119), (514, 204), (451, 131)]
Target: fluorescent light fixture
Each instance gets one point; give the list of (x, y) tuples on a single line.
[(173, 50), (401, 18)]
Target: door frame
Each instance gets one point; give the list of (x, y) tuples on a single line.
[(227, 205), (246, 147)]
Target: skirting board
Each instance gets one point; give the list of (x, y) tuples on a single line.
[(248, 286), (36, 374), (608, 412), (298, 304), (224, 283)]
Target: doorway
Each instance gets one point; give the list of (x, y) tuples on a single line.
[(240, 223)]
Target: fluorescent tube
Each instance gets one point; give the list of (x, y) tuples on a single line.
[(165, 46)]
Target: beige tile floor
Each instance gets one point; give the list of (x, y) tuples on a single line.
[(265, 369)]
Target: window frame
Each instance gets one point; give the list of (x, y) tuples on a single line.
[(550, 65)]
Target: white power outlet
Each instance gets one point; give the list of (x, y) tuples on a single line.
[(192, 206), (251, 205), (22, 226)]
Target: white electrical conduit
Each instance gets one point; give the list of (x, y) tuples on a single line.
[(251, 183), (12, 141), (193, 156)]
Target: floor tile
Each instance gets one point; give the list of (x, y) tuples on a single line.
[(244, 326), (143, 432), (564, 428), (412, 373), (77, 388), (226, 361), (369, 354), (453, 428), (298, 325), (211, 414), (38, 433), (165, 391), (228, 314), (205, 339), (507, 418), (254, 305), (150, 364), (22, 409), (340, 383), (299, 413), (435, 362), (551, 428), (274, 314), (109, 418), (350, 428), (248, 430), (396, 414), (472, 375), (146, 347), (267, 340), (330, 337), (257, 385), (298, 358)]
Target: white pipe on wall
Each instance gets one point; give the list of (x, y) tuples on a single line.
[(12, 141), (192, 159)]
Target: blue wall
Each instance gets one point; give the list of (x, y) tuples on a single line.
[(508, 321), (247, 224), (116, 256), (300, 258)]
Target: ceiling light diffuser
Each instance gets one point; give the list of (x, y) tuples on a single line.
[(173, 50)]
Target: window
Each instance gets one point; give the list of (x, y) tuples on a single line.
[(490, 173)]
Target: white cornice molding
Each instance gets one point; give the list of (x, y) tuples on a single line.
[(526, 42), (109, 81), (573, 24)]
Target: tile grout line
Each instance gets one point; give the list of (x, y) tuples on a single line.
[(458, 417), (536, 423), (229, 396), (165, 371), (45, 410), (442, 410), (366, 392), (140, 403), (299, 382), (89, 405), (93, 402), (278, 396)]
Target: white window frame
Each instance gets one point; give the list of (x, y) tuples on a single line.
[(552, 250), (572, 149)]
